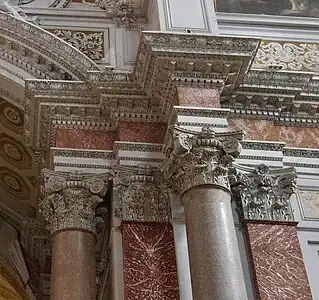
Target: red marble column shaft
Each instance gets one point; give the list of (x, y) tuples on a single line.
[(73, 266)]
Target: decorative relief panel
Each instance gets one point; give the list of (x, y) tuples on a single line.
[(149, 261), (140, 196), (310, 203), (289, 56), (91, 43)]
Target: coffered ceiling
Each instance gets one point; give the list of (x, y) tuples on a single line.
[(18, 164)]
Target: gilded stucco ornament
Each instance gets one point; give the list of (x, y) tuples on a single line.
[(262, 193), (69, 200), (195, 159)]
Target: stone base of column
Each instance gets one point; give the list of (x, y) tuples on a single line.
[(216, 269), (73, 266)]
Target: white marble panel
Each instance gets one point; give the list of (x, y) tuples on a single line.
[(310, 203)]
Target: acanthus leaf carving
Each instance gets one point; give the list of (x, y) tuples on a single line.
[(264, 195), (140, 196), (69, 200), (196, 159)]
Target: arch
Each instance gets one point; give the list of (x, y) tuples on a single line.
[(28, 51), (11, 287)]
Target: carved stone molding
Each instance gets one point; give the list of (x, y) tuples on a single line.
[(163, 61), (69, 200), (262, 193), (125, 15), (91, 43), (293, 56), (195, 159), (39, 52), (140, 196)]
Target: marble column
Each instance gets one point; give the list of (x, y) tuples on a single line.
[(68, 205), (197, 167)]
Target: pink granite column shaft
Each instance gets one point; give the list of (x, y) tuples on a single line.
[(73, 266), (69, 201)]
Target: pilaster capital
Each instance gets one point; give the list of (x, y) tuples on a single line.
[(69, 200), (263, 193), (140, 196), (200, 158)]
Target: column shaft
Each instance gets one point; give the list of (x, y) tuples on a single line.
[(216, 269), (73, 266)]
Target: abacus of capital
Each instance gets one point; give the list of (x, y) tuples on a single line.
[(198, 166), (68, 205)]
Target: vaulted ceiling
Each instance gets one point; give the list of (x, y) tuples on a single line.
[(18, 163)]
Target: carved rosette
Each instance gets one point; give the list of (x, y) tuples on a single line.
[(264, 194), (195, 159), (69, 200), (140, 196)]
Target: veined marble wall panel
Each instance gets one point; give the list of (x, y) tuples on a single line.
[(141, 132), (149, 261), (277, 260), (85, 139), (198, 97), (293, 136), (104, 138)]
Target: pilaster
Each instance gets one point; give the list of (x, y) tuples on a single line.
[(139, 195)]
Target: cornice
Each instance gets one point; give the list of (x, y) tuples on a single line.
[(147, 93), (261, 145), (31, 48), (301, 152)]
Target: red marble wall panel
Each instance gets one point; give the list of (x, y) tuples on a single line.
[(278, 264), (85, 139), (142, 132), (150, 270), (294, 136), (197, 97)]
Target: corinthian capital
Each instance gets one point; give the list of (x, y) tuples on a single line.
[(195, 159), (264, 194), (69, 199)]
